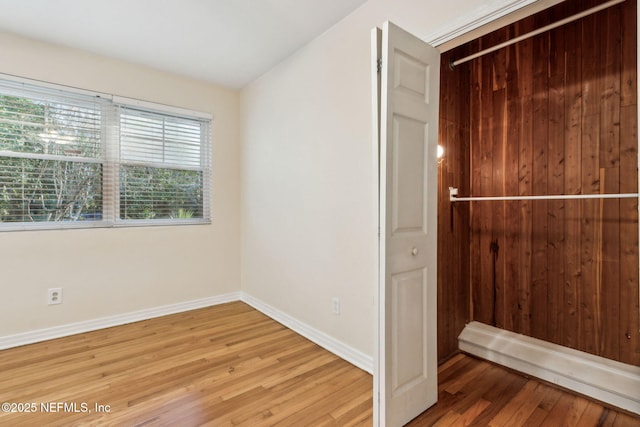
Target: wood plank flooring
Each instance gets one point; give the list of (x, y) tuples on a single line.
[(219, 366), (231, 365), (473, 392)]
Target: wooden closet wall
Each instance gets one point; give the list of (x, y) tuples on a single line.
[(554, 114)]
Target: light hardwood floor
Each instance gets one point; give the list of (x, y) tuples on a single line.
[(231, 365), (473, 392), (220, 366)]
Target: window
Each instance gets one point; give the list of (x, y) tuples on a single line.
[(72, 159), (161, 173)]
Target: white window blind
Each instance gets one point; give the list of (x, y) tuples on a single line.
[(163, 166), (69, 159), (51, 158)]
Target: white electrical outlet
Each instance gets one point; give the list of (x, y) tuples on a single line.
[(335, 305), (54, 296)]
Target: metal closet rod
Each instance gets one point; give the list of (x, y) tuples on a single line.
[(536, 32), (453, 196)]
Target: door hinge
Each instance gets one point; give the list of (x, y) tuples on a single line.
[(379, 64)]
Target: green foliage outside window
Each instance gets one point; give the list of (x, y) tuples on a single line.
[(43, 189), (156, 193)]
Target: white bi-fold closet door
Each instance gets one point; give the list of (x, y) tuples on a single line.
[(407, 87)]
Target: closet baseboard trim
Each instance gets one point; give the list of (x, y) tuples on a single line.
[(603, 379), (340, 349)]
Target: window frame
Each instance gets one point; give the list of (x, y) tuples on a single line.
[(110, 158)]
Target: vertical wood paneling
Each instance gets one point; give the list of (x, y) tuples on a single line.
[(629, 319), (474, 178), (629, 310), (609, 279), (609, 283), (511, 170), (497, 248), (524, 62), (629, 78), (555, 185), (572, 181), (539, 279), (445, 269), (499, 125), (556, 114), (590, 177), (461, 256), (485, 295), (453, 224)]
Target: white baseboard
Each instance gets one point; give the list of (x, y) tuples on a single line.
[(116, 320), (351, 355), (340, 349), (606, 380)]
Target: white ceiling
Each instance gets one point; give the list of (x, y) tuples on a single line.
[(229, 42)]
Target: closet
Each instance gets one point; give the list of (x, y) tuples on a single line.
[(555, 114)]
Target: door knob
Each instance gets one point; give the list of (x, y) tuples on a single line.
[(414, 251)]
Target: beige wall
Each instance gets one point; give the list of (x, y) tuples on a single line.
[(304, 181), (105, 272), (309, 195)]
